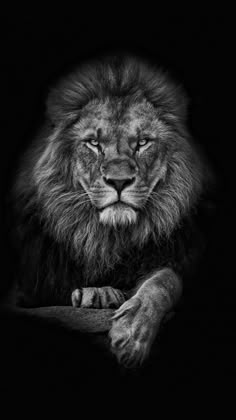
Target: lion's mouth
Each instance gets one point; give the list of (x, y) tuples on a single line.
[(119, 205), (118, 213)]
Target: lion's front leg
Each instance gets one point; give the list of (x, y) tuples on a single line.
[(97, 297), (137, 321)]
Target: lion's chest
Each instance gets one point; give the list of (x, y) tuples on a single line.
[(125, 274)]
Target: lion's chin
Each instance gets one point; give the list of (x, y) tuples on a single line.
[(118, 214)]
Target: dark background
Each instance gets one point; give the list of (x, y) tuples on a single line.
[(195, 356)]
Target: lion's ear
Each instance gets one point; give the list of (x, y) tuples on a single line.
[(167, 95), (181, 103), (54, 106), (61, 105), (178, 101)]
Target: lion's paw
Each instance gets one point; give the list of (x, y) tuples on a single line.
[(134, 328), (97, 297)]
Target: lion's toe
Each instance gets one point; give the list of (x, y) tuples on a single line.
[(128, 351), (76, 298)]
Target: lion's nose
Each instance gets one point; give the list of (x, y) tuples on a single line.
[(119, 184)]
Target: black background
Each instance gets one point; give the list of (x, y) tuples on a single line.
[(196, 356)]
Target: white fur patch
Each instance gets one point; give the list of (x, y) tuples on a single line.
[(118, 215)]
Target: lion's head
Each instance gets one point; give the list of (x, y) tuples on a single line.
[(115, 165)]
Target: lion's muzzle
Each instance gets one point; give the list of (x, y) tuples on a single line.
[(119, 183)]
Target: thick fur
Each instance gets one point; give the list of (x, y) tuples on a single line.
[(65, 239)]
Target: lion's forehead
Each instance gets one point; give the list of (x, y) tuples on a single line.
[(110, 117)]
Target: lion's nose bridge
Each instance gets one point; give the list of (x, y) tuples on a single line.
[(119, 169)]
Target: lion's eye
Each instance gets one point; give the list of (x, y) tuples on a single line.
[(143, 142), (93, 142)]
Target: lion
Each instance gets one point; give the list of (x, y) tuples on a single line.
[(106, 198)]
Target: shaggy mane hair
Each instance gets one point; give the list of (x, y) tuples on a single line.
[(45, 194)]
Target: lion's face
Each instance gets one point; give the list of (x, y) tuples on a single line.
[(120, 157)]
